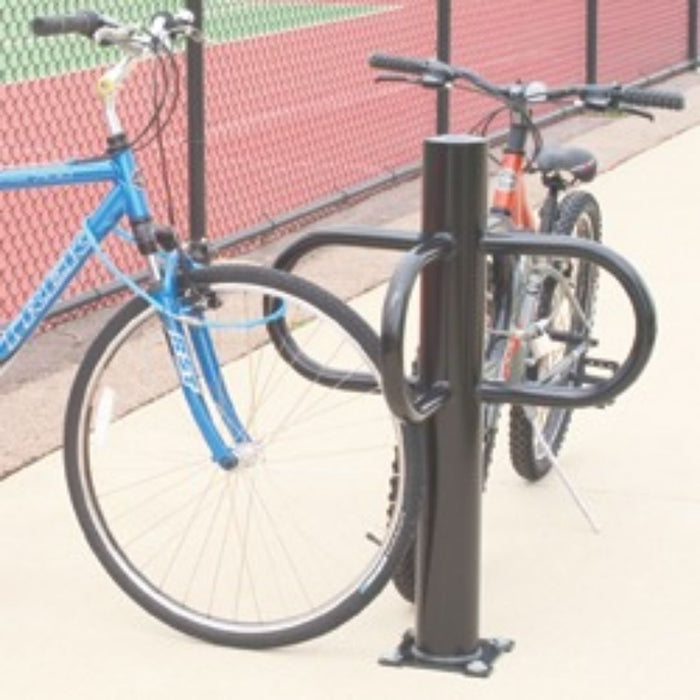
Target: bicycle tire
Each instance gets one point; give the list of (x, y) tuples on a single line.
[(290, 545), (579, 215)]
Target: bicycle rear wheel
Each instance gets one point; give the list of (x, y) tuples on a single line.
[(579, 215), (294, 539)]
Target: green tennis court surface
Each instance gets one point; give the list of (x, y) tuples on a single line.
[(23, 57)]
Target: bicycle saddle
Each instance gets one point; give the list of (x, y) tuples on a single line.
[(582, 164)]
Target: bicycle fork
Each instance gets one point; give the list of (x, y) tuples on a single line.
[(199, 372), (194, 358)]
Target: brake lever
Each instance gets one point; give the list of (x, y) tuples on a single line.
[(113, 36), (184, 20), (392, 78), (606, 106), (637, 112), (427, 80)]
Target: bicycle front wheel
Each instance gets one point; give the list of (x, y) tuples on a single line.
[(292, 540)]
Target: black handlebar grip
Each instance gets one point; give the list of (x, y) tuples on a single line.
[(85, 23), (662, 99), (401, 64), (406, 64)]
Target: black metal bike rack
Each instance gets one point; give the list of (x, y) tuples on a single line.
[(443, 404), (350, 237)]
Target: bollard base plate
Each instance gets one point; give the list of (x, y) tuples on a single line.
[(478, 663)]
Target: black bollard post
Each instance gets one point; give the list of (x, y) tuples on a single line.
[(451, 348)]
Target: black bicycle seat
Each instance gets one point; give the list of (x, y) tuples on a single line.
[(582, 164)]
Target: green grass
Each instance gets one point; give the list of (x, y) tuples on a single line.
[(24, 57)]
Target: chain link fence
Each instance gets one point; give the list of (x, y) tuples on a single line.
[(50, 111), (293, 117), (639, 39)]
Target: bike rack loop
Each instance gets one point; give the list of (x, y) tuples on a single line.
[(417, 405), (442, 410), (446, 400), (346, 236)]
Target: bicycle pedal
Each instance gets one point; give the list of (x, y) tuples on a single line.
[(598, 363), (604, 366), (563, 337)]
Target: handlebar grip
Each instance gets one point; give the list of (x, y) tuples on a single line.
[(402, 64), (406, 64), (662, 99), (85, 23)]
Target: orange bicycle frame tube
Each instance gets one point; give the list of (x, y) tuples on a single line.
[(509, 195)]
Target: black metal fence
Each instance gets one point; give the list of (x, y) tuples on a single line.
[(284, 117)]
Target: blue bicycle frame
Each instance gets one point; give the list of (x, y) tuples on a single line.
[(126, 198)]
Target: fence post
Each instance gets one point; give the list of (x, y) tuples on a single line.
[(591, 41), (196, 133), (693, 33), (444, 18)]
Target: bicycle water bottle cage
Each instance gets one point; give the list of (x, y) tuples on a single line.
[(579, 162)]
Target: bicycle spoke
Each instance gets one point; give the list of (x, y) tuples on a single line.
[(276, 546)]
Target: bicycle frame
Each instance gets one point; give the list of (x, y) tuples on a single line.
[(517, 279), (126, 198), (191, 346), (510, 195)]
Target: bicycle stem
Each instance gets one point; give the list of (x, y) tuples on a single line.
[(108, 87)]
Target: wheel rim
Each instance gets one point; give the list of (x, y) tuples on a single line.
[(288, 561)]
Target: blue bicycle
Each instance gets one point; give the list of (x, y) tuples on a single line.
[(229, 489)]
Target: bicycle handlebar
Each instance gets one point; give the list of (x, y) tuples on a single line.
[(106, 31), (135, 43), (85, 23), (595, 96)]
